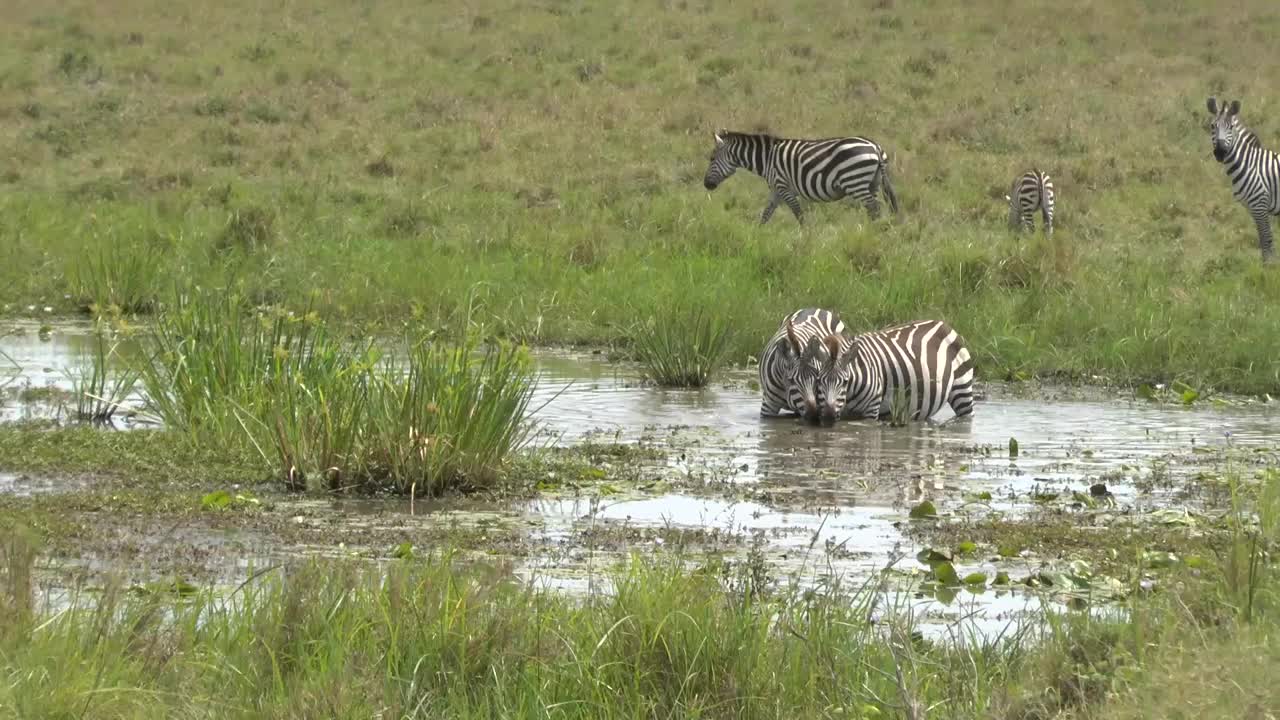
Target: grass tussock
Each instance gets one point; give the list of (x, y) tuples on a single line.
[(102, 380), (332, 412), (683, 348)]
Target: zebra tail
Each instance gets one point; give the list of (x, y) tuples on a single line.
[(887, 186)]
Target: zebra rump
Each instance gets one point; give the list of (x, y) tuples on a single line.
[(927, 359), (1030, 192), (806, 340), (823, 170)]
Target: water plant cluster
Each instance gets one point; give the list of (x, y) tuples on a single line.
[(334, 412)]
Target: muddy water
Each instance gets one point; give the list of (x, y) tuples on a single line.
[(810, 501)]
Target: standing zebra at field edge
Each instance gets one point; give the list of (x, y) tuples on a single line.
[(1030, 192), (817, 170), (926, 358), (1254, 170), (791, 361)]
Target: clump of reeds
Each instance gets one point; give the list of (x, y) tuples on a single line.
[(682, 348), (337, 413)]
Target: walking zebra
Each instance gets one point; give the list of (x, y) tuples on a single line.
[(816, 170), (1254, 170), (1029, 193), (806, 341), (926, 358)]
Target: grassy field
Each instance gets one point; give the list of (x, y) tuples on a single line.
[(538, 167)]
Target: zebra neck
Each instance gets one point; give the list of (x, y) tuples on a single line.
[(756, 153)]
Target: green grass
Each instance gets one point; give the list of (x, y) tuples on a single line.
[(682, 347), (99, 383), (333, 413), (440, 637), (541, 165)]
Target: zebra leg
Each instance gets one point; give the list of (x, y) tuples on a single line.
[(1262, 219), (794, 204), (1046, 211), (872, 204), (769, 208)]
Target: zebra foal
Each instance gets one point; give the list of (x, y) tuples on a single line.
[(1254, 170), (815, 170), (1030, 192)]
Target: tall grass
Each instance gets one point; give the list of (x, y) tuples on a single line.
[(102, 380), (334, 413), (442, 637), (117, 272), (683, 348), (437, 639)]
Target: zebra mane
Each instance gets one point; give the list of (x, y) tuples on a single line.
[(739, 135), (1248, 138)]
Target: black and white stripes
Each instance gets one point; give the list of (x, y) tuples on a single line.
[(811, 368), (1254, 170), (815, 170), (927, 359), (792, 360), (1030, 192)]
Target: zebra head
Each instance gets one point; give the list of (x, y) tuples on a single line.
[(836, 375), (811, 388), (723, 162), (1225, 128), (805, 362)]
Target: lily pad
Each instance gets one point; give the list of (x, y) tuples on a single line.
[(923, 510)]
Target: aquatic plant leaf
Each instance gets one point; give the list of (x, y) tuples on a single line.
[(403, 551), (1146, 392), (1008, 550), (1013, 447), (945, 573), (976, 578), (923, 510), (1002, 578), (930, 556), (216, 500), (966, 547)]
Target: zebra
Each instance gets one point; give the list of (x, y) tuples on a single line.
[(926, 358), (1254, 170), (1030, 192), (792, 358), (818, 170)]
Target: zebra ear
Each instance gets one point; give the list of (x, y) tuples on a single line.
[(832, 342), (720, 136), (793, 343), (1213, 106), (1234, 109)]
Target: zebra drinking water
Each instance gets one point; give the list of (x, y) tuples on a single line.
[(1030, 192), (816, 170), (1254, 170), (927, 359), (792, 359)]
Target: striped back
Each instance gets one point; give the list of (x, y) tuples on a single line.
[(794, 357), (926, 358)]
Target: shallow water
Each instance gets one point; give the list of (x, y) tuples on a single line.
[(824, 501)]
